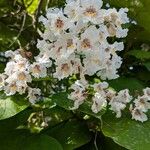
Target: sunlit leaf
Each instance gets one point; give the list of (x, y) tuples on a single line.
[(31, 5), (128, 133), (10, 107)]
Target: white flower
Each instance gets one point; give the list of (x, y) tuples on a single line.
[(109, 68), (21, 87), (38, 70), (11, 53), (110, 94), (119, 102), (99, 102), (147, 92), (10, 67), (33, 94), (114, 20), (78, 28), (67, 67), (142, 103), (2, 81), (72, 10), (19, 76), (139, 115), (42, 45), (92, 63), (103, 34), (88, 39), (64, 46), (78, 95), (10, 89), (117, 107), (44, 58), (24, 76), (98, 87), (58, 22), (91, 10)]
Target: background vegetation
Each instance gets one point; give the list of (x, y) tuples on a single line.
[(21, 125)]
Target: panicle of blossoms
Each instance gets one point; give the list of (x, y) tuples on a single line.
[(102, 96), (141, 106), (17, 75), (76, 38), (78, 95)]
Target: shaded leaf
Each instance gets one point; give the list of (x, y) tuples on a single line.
[(126, 83), (41, 142), (139, 54), (147, 65), (23, 140), (13, 122), (57, 115), (71, 135), (31, 5)]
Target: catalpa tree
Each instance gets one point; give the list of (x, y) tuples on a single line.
[(77, 75)]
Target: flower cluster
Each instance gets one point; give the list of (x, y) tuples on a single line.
[(77, 38), (141, 106), (101, 97), (17, 76), (104, 96)]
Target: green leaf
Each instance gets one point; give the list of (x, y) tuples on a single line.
[(128, 133), (23, 140), (139, 54), (11, 123), (10, 107), (147, 65), (71, 135), (121, 83), (7, 36), (144, 76), (61, 99), (31, 5), (57, 115), (109, 144), (5, 7), (57, 3), (41, 142)]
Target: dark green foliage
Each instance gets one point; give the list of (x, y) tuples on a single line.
[(81, 129)]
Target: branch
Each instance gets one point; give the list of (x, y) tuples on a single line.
[(38, 13), (21, 29)]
